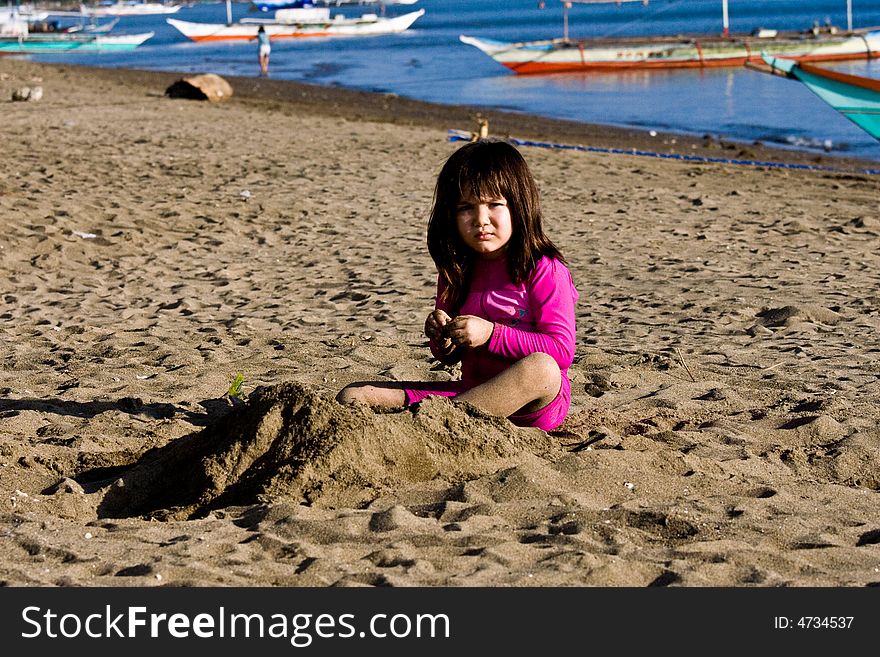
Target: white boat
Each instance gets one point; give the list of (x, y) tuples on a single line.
[(819, 44), (297, 23), (130, 9)]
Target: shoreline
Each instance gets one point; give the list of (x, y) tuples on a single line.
[(400, 110)]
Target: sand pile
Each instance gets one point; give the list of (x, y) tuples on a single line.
[(287, 441)]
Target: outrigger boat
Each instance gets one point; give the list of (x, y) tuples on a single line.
[(296, 23), (48, 43), (818, 44), (854, 96), (16, 38)]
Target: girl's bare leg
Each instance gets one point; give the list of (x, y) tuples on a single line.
[(528, 385), (373, 393)]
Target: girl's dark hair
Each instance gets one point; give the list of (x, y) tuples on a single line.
[(487, 168)]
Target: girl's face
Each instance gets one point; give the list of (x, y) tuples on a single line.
[(484, 225)]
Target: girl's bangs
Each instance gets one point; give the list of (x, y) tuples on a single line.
[(482, 182)]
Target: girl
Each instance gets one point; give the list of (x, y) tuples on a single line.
[(505, 299), (265, 50)]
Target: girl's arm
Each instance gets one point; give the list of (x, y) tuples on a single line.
[(552, 297)]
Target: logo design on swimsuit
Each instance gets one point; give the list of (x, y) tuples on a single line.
[(508, 306)]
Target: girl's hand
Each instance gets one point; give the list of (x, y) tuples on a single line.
[(435, 324), (469, 331), (435, 329)]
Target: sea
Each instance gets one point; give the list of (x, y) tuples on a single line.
[(428, 62)]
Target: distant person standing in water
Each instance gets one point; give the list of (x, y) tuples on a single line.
[(265, 49)]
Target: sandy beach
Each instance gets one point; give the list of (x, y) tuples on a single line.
[(725, 425)]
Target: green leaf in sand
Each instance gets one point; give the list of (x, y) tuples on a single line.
[(235, 391)]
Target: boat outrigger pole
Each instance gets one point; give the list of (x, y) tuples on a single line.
[(725, 20), (566, 5)]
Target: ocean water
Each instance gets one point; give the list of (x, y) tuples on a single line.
[(428, 62)]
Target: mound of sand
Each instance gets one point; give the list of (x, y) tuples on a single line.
[(288, 441)]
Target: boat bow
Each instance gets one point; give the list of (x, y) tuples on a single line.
[(856, 97)]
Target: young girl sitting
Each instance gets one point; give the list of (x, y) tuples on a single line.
[(505, 299)]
